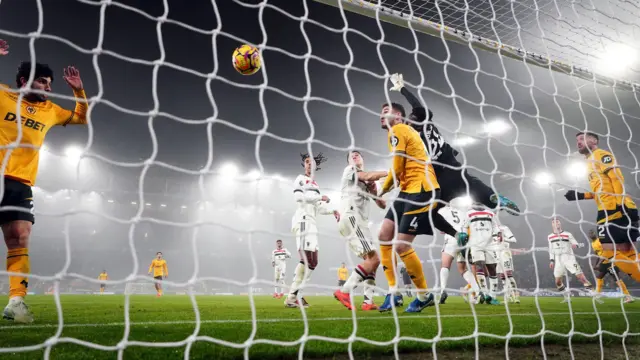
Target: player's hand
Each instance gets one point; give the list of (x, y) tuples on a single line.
[(72, 77), (573, 246), (336, 214), (573, 195), (4, 47), (551, 265), (325, 198), (397, 81), (381, 203)]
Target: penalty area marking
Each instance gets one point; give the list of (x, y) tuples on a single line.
[(249, 321)]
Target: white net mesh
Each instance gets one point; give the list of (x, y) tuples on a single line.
[(169, 116)]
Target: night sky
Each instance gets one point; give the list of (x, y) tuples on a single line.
[(321, 88)]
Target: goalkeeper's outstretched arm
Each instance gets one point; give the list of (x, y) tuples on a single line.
[(418, 111)]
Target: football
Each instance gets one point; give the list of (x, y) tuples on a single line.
[(246, 60)]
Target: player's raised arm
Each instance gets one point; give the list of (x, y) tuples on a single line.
[(418, 111), (79, 114), (371, 175)]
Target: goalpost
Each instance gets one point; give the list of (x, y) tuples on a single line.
[(590, 49)]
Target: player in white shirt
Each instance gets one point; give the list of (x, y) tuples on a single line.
[(279, 258), (481, 225), (356, 185), (505, 263), (309, 203), (562, 259), (450, 250)]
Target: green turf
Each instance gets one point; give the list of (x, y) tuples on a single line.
[(99, 320)]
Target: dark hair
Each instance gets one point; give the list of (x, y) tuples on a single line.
[(159, 252), (593, 234), (589, 133), (319, 159), (278, 240), (41, 70), (351, 152), (396, 107)]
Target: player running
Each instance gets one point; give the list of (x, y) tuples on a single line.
[(482, 225), (451, 251), (415, 207), (505, 263), (160, 271), (279, 258), (27, 121), (617, 221), (309, 202), (103, 277), (562, 259), (452, 176), (356, 186), (602, 267)]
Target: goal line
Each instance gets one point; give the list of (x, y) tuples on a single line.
[(409, 20)]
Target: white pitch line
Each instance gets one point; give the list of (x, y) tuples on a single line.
[(249, 321)]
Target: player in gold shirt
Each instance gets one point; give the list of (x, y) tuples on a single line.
[(160, 271), (616, 221), (103, 276), (602, 267), (343, 272), (24, 125), (413, 210)]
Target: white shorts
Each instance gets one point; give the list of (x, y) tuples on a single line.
[(482, 254), (356, 232), (506, 260), (450, 246), (306, 236), (279, 272), (564, 263), (492, 257)]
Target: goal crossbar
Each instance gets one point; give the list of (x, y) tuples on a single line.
[(429, 27)]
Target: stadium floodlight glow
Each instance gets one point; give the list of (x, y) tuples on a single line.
[(148, 204), (616, 59), (577, 169), (229, 170), (496, 127), (163, 205), (543, 178), (134, 203), (110, 201), (254, 174), (463, 141), (183, 206), (73, 154)]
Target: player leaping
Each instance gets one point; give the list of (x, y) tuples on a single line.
[(356, 184), (309, 202), (37, 116), (602, 267), (414, 208), (617, 213), (452, 175), (562, 259), (279, 258)]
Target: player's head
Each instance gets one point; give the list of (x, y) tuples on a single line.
[(587, 142), (556, 225), (391, 115), (593, 234), (42, 80), (104, 271), (414, 119), (312, 163), (159, 255), (279, 244), (355, 159), (343, 265)]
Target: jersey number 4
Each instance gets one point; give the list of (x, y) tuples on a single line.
[(414, 223)]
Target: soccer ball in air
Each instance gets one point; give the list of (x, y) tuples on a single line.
[(246, 60)]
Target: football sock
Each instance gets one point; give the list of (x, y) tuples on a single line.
[(512, 284), (369, 288), (599, 284), (493, 283), (298, 275), (414, 269), (472, 284), (357, 276), (482, 281), (444, 277), (623, 287), (18, 262), (386, 259)]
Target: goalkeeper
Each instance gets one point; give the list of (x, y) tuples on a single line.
[(26, 123), (452, 176)]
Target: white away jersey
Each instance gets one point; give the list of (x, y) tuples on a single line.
[(561, 243), (354, 196), (306, 193), (481, 226), (279, 256), (453, 216), (504, 238)]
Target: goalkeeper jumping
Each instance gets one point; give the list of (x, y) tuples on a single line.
[(452, 176)]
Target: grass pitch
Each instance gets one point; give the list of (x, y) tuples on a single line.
[(162, 328)]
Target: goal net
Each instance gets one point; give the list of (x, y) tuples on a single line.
[(186, 157)]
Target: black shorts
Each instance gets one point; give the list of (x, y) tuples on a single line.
[(607, 268), (158, 277), (16, 194), (102, 286), (452, 185), (341, 282), (631, 213), (618, 231), (414, 217)]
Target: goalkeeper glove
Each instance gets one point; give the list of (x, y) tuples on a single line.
[(462, 238), (397, 81), (573, 195)]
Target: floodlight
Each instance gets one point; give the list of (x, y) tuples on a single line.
[(496, 127), (229, 170), (616, 59), (543, 178), (73, 153), (463, 141)]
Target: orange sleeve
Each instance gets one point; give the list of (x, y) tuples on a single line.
[(151, 266), (76, 117), (165, 268), (589, 195)]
